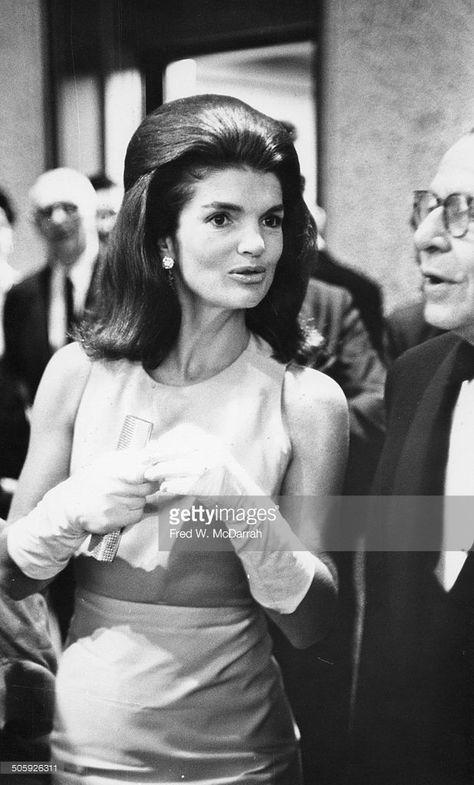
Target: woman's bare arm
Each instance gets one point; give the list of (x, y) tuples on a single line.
[(49, 451), (317, 417)]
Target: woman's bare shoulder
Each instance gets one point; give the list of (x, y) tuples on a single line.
[(317, 418), (307, 391), (63, 380), (70, 360)]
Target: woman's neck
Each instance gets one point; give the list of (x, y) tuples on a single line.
[(204, 348)]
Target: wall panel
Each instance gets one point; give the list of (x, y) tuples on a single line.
[(396, 91), (22, 129)]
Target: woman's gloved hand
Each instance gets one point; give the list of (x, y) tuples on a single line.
[(109, 494), (191, 462)]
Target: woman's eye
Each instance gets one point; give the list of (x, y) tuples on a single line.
[(273, 221), (220, 219)]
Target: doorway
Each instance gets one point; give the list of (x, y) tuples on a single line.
[(277, 80)]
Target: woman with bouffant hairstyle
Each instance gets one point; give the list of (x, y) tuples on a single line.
[(172, 150), (161, 440)]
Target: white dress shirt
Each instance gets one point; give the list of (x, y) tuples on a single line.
[(80, 274), (459, 482)]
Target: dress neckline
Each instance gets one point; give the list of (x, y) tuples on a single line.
[(254, 344)]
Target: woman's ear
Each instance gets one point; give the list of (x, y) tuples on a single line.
[(165, 246)]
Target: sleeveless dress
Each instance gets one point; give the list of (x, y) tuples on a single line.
[(169, 691)]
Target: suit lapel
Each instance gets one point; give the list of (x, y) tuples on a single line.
[(42, 305), (422, 464), (44, 277), (92, 290)]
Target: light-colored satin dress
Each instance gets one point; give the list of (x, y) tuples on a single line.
[(181, 688)]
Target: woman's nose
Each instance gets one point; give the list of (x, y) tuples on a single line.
[(251, 241), (432, 233)]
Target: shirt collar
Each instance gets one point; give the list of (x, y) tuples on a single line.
[(80, 273)]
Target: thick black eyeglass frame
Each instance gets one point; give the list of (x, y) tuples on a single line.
[(451, 212)]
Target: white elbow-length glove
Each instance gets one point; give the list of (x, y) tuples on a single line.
[(109, 494)]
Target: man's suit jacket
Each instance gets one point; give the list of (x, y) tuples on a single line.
[(413, 713), (365, 292), (27, 352), (27, 347), (318, 679), (355, 365), (406, 327), (14, 434)]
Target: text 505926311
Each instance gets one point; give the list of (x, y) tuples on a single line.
[(27, 767)]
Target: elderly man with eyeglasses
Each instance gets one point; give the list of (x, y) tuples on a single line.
[(414, 709), (41, 310)]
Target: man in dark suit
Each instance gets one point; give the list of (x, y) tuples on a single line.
[(351, 360), (406, 327), (14, 428), (40, 310), (322, 676), (38, 315), (414, 708), (365, 293)]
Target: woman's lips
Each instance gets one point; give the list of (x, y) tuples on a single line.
[(248, 274)]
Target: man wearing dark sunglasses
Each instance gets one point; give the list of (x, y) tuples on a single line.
[(414, 715)]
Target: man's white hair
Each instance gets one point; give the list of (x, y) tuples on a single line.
[(64, 185)]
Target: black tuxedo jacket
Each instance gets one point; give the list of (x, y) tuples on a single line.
[(406, 327), (25, 318), (413, 713)]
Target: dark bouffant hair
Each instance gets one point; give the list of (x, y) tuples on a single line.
[(138, 315)]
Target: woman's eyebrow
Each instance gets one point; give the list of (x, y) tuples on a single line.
[(277, 208), (222, 206), (238, 208)]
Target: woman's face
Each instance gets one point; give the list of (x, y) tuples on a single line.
[(229, 239)]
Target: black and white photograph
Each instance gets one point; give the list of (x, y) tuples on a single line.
[(236, 392)]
